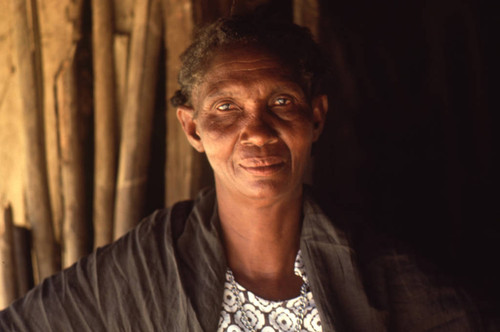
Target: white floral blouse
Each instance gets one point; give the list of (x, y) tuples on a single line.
[(265, 315)]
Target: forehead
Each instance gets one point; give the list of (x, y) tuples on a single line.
[(244, 66), (245, 58)]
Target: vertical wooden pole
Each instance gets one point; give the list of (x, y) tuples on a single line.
[(75, 224), (180, 155), (37, 192), (47, 67), (120, 49), (105, 121), (123, 19), (135, 143), (8, 286)]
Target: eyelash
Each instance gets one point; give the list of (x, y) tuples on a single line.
[(280, 101)]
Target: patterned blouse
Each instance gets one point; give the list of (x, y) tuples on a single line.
[(265, 315)]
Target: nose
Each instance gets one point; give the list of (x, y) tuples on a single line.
[(258, 130)]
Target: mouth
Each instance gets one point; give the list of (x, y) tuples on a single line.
[(263, 166)]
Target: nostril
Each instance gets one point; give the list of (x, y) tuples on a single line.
[(259, 135)]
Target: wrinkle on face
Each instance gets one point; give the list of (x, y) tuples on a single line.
[(256, 147)]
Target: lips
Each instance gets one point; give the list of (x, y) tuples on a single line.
[(263, 165)]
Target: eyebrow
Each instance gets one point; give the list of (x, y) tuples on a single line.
[(219, 89)]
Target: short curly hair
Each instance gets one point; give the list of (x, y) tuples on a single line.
[(289, 42)]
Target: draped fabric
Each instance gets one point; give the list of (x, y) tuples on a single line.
[(168, 275)]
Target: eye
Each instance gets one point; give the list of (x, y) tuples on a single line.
[(281, 101), (225, 107)]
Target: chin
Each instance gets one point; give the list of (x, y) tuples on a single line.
[(270, 190)]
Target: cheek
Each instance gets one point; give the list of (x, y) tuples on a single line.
[(300, 140), (217, 128), (218, 136), (217, 156)]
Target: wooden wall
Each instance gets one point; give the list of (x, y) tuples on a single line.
[(89, 144)]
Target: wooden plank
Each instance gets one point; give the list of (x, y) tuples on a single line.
[(105, 121), (75, 241), (8, 286), (37, 192), (120, 49), (49, 28), (123, 16), (180, 156), (138, 116), (59, 29)]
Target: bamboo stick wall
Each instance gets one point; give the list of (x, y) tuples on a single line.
[(89, 144)]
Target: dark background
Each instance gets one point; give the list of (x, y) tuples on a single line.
[(411, 135)]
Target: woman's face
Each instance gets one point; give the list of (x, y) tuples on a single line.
[(255, 124)]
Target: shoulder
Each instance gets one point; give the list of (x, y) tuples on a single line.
[(120, 286), (415, 294), (169, 223)]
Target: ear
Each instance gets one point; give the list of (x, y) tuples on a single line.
[(319, 108), (185, 115)]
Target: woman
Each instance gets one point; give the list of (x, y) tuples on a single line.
[(256, 253)]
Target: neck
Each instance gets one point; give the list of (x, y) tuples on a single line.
[(261, 240)]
